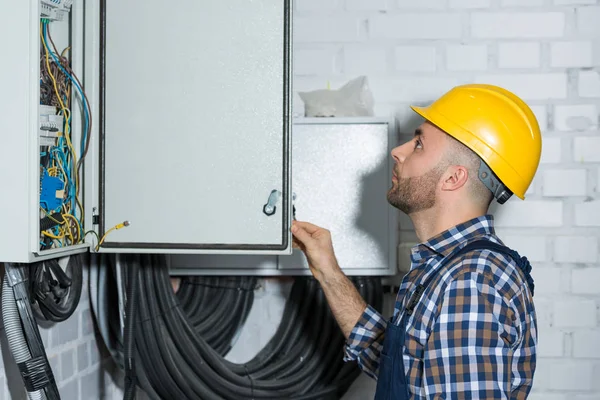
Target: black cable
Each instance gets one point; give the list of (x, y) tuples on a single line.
[(56, 293), (38, 367), (181, 345), (129, 331)]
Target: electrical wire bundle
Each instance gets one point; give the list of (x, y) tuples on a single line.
[(23, 336), (201, 299), (167, 340), (55, 293), (60, 168)]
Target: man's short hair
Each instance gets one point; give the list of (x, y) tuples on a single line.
[(459, 154)]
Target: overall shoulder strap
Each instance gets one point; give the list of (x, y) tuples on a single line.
[(484, 244)]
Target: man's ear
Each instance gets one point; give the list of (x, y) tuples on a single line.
[(455, 177)]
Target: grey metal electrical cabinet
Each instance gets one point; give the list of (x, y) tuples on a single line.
[(196, 126), (190, 111), (341, 172)]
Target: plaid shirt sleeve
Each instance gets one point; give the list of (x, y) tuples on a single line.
[(470, 351), (366, 341)]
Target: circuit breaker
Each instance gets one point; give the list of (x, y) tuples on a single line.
[(129, 126)]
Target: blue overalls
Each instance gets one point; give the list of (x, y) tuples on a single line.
[(392, 382)]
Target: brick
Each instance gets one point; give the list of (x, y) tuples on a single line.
[(585, 280), (83, 358), (576, 249), (544, 309), (87, 322), (563, 182), (586, 344), (418, 89), (529, 214), (55, 366), (551, 151), (415, 58), (467, 58), (541, 86), (551, 343), (533, 247), (522, 25), (587, 21), (70, 390), (572, 2), (575, 313), (522, 3), (317, 5), (541, 395), (313, 61), (470, 3), (571, 54), (92, 385), (541, 114), (330, 29), (585, 149), (589, 83), (575, 117), (95, 353), (423, 4), (592, 396), (519, 55), (564, 375), (547, 280), (411, 26), (587, 214), (364, 60), (372, 5), (66, 331), (67, 362)]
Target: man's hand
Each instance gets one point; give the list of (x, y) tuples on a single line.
[(315, 242), (344, 300)]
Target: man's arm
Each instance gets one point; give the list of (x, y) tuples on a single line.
[(362, 325), (469, 351), (346, 303)]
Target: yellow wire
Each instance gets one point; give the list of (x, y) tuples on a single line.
[(118, 226), (76, 224), (67, 133), (53, 236)]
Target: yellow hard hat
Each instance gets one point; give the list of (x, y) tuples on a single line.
[(498, 126)]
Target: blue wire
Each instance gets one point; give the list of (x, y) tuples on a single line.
[(74, 82), (71, 195)]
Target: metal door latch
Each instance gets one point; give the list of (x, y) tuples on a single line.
[(270, 208)]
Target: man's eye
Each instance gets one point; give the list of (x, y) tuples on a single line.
[(418, 144)]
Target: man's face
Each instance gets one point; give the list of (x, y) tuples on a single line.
[(417, 170)]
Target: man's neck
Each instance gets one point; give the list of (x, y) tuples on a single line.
[(432, 222)]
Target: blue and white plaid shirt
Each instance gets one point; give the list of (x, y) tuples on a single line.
[(473, 334)]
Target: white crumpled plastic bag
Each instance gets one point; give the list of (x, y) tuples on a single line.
[(354, 99)]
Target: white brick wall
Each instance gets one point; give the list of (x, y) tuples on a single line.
[(75, 357), (547, 51)]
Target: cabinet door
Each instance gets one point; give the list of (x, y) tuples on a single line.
[(195, 126)]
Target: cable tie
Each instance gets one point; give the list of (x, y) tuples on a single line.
[(251, 381)]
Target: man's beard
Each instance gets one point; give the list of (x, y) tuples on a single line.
[(411, 195)]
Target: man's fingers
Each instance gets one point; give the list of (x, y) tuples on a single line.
[(300, 234), (307, 226)]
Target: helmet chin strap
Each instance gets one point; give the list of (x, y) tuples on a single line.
[(489, 179)]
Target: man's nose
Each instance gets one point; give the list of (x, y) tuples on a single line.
[(401, 152)]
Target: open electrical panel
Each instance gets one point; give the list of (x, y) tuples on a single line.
[(131, 127)]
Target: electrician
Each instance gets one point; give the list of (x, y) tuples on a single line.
[(464, 323)]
